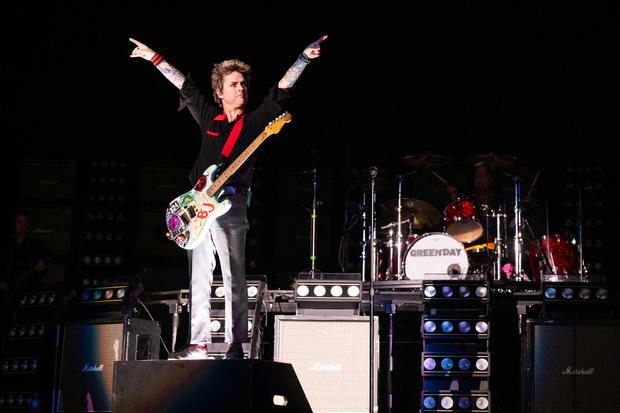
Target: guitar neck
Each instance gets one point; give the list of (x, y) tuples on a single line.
[(236, 164)]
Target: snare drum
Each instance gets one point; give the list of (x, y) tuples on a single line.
[(561, 254), (435, 253), (462, 217)]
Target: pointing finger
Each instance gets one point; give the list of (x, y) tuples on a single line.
[(134, 41)]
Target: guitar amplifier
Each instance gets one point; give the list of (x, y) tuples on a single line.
[(331, 357), (571, 366), (87, 360)]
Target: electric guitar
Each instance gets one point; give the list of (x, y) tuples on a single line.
[(189, 216)]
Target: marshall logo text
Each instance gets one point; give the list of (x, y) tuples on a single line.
[(572, 371)]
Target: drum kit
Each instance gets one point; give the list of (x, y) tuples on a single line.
[(416, 240)]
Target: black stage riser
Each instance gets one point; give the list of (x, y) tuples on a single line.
[(179, 386)]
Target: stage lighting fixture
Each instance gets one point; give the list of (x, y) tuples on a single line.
[(430, 326), (319, 290), (336, 291), (455, 290), (444, 327), (254, 289), (455, 364), (447, 326), (215, 325), (353, 291), (303, 291), (482, 327), (103, 294), (574, 292), (430, 291), (19, 365), (218, 325), (567, 293), (464, 327), (448, 401), (328, 294)]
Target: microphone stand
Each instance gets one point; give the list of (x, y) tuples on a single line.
[(371, 291)]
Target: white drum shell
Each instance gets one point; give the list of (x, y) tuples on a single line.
[(435, 253)]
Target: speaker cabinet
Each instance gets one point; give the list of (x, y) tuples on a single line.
[(331, 357), (571, 367), (207, 386), (87, 360)]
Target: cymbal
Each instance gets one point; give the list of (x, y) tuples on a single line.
[(428, 159), (492, 160), (424, 215)]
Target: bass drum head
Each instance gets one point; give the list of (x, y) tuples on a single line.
[(435, 253)]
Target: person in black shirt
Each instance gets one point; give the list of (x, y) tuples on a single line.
[(229, 116)]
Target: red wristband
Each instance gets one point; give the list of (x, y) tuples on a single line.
[(156, 59)]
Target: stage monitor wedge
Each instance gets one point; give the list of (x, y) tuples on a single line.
[(207, 386)]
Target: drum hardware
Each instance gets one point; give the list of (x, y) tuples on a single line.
[(373, 276), (499, 244), (399, 226), (364, 237), (518, 236), (373, 226)]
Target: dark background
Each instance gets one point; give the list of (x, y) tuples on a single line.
[(530, 80), (533, 80)]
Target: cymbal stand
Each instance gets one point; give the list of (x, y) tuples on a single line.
[(313, 226), (399, 231), (583, 276), (365, 237), (518, 236), (371, 291), (499, 244), (399, 236), (373, 226)]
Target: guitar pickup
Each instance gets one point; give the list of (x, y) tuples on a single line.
[(185, 219), (191, 211)]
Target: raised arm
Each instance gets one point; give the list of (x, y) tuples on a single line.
[(170, 72), (312, 51)]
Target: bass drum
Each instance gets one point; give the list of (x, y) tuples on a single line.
[(435, 253)]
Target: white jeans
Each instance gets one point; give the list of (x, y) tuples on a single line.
[(226, 240)]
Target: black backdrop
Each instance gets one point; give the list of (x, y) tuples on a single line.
[(532, 80)]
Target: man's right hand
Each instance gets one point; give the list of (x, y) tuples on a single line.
[(141, 50)]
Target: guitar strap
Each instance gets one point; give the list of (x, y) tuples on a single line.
[(232, 138)]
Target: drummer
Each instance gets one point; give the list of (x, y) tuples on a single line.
[(483, 190)]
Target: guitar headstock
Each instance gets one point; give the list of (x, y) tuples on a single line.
[(278, 123)]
